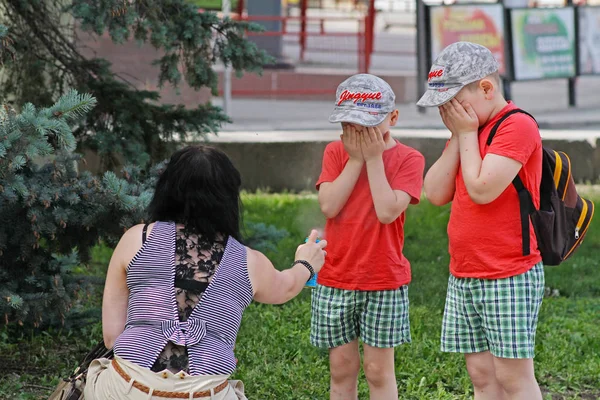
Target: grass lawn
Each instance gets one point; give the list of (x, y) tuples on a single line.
[(276, 360)]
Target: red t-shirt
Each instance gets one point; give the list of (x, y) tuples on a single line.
[(363, 253), (485, 239)]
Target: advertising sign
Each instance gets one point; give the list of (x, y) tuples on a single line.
[(482, 24), (543, 43), (589, 40), (212, 4)]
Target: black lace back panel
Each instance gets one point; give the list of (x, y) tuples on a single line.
[(196, 260)]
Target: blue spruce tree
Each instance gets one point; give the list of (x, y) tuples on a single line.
[(51, 214)]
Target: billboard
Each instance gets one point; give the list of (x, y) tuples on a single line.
[(482, 24), (212, 4), (543, 43), (589, 40)]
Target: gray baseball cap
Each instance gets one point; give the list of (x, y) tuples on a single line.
[(363, 99), (457, 65)]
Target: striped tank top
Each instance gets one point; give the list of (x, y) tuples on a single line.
[(209, 333)]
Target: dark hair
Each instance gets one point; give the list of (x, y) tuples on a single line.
[(200, 188)]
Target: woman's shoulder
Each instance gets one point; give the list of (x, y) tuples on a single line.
[(137, 231), (128, 246), (133, 238)]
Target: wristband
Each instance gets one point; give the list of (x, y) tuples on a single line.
[(308, 267)]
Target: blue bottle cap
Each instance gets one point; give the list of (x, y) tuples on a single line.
[(306, 240)]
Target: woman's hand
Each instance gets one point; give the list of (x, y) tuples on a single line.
[(276, 287), (312, 252)]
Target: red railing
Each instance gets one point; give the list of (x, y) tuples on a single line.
[(363, 34), (301, 35)]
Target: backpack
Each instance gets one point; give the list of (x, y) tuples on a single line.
[(563, 218)]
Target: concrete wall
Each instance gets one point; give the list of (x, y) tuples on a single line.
[(296, 166), (276, 166)]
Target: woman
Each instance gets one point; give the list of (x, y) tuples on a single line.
[(176, 289)]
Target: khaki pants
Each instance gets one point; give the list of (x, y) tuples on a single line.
[(104, 383)]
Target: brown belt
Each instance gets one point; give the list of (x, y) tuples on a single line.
[(163, 393)]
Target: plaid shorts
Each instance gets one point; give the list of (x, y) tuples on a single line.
[(497, 315), (379, 318)]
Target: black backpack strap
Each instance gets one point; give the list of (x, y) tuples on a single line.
[(501, 120), (144, 233), (526, 205)]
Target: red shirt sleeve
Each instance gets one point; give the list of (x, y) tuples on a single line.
[(517, 138), (332, 164), (409, 177)]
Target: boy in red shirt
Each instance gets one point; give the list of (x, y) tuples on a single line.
[(367, 182), (494, 291)]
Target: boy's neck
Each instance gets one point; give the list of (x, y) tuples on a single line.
[(498, 106), (389, 140)]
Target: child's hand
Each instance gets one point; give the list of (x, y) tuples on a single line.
[(459, 118), (372, 143), (446, 120), (351, 140)]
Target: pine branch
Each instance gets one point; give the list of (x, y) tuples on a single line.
[(74, 105)]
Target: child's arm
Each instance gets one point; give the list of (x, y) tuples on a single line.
[(440, 179), (389, 203), (486, 179), (334, 195)]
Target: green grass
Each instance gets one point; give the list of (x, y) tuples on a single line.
[(276, 360)]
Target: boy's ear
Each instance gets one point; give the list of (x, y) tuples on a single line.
[(488, 87), (394, 118)]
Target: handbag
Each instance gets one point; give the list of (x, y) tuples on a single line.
[(71, 388)]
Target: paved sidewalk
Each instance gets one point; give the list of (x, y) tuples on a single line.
[(547, 100)]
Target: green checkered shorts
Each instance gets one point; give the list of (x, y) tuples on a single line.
[(497, 315), (379, 318)]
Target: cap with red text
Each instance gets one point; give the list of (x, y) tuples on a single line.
[(456, 66), (363, 99)]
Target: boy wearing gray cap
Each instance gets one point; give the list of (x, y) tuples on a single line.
[(496, 283), (367, 181)]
